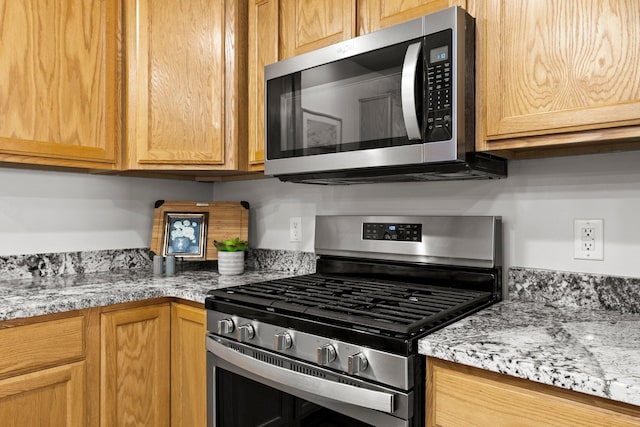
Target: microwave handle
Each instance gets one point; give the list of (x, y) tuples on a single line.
[(408, 90)]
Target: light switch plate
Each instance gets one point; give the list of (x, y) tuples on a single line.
[(295, 229)]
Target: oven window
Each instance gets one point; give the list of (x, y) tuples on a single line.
[(242, 402), (347, 105)]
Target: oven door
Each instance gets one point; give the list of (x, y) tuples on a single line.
[(296, 393)]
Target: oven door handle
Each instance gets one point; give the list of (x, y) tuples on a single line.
[(408, 91), (370, 399)]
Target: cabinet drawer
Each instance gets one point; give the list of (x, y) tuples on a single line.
[(39, 345)]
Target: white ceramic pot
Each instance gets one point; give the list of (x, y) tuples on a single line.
[(230, 263)]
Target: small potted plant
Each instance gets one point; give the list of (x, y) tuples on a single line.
[(231, 255)]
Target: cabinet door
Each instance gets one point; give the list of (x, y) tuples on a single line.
[(263, 50), (459, 396), (376, 14), (186, 83), (51, 397), (58, 83), (554, 67), (135, 354), (188, 366), (310, 24)]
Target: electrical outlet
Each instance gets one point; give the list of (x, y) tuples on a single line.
[(295, 229), (588, 239)]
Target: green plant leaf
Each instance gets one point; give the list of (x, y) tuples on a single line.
[(231, 245)]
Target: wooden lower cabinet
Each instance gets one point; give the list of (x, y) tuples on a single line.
[(188, 366), (134, 364), (459, 395), (135, 355), (51, 397)]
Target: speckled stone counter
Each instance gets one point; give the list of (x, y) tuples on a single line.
[(591, 351), (54, 294), (37, 284)]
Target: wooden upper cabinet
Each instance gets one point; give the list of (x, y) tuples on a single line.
[(376, 14), (554, 67), (263, 50), (186, 84), (307, 25), (58, 83)]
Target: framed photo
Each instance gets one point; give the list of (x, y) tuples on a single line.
[(185, 235), (320, 130), (375, 117)]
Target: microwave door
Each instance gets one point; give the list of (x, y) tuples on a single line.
[(408, 90)]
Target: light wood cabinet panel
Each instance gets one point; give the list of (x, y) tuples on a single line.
[(59, 73), (51, 397), (462, 396), (263, 50), (135, 354), (556, 67), (306, 25), (376, 14), (186, 86), (188, 366), (38, 345)]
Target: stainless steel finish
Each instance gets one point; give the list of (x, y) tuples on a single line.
[(357, 363), (245, 333), (376, 40), (282, 341), (325, 354), (339, 392), (386, 368), (225, 326), (388, 156), (408, 91), (473, 241), (453, 150)]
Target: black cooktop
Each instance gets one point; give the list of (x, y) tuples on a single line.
[(378, 307)]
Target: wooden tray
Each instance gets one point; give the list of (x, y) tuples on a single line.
[(225, 220)]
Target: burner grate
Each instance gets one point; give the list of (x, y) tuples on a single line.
[(388, 306)]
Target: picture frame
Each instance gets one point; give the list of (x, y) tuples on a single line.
[(375, 117), (320, 130), (223, 220), (185, 235)]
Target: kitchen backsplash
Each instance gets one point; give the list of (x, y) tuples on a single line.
[(55, 264), (281, 260), (576, 290)]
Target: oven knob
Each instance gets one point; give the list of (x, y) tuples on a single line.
[(325, 354), (245, 333), (282, 341), (356, 363), (225, 326)]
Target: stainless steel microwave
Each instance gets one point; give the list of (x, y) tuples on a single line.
[(396, 104)]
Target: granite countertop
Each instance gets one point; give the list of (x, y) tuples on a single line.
[(591, 351), (54, 294)]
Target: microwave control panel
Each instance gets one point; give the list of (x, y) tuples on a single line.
[(439, 85), (392, 231)]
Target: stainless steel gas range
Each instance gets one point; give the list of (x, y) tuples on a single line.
[(339, 347)]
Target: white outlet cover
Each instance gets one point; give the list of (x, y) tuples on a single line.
[(579, 251)]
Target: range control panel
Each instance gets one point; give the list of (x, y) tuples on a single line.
[(392, 231)]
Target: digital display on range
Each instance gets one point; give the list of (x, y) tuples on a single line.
[(439, 54), (393, 232)]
